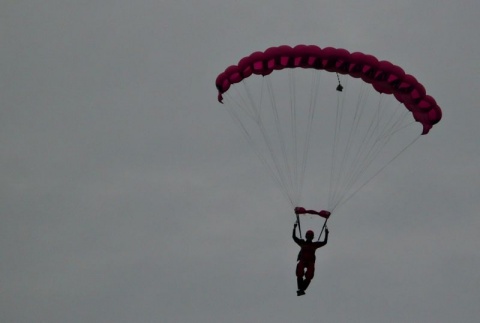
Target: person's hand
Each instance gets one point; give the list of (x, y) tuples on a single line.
[(295, 225), (327, 231)]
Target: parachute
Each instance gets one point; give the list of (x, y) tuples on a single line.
[(346, 115)]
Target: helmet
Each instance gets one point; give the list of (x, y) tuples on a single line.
[(309, 235)]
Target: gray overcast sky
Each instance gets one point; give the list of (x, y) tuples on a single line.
[(129, 195)]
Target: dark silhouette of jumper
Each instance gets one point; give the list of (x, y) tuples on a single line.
[(306, 258)]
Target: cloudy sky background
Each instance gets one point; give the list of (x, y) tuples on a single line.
[(129, 195)]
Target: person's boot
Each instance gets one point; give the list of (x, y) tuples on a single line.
[(300, 292), (300, 284)]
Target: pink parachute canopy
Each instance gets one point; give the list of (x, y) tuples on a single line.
[(382, 75)]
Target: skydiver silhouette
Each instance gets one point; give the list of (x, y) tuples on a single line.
[(306, 258)]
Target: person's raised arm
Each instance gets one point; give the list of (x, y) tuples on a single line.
[(325, 240), (294, 235)]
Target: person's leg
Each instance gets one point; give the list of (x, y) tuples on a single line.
[(299, 273), (308, 275)]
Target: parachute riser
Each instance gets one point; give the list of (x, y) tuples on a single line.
[(323, 228)]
